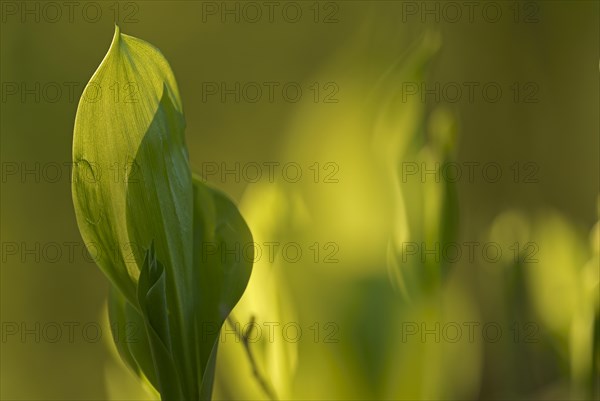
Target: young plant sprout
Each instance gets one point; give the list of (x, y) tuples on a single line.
[(151, 222)]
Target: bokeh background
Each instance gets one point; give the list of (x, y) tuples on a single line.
[(358, 292)]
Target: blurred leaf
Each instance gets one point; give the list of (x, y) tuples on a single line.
[(272, 212)]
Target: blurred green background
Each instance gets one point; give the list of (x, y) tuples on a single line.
[(367, 52)]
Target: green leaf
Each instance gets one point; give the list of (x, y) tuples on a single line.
[(159, 211), (223, 254), (132, 99), (152, 296), (133, 190)]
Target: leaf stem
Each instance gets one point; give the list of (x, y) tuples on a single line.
[(245, 336)]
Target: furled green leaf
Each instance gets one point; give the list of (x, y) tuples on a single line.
[(132, 99), (152, 296), (159, 211), (153, 227), (130, 336)]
